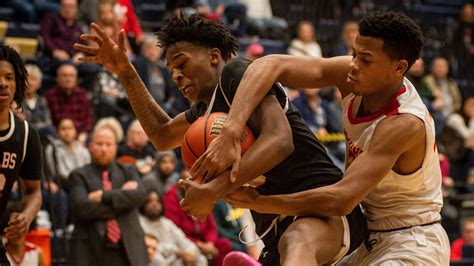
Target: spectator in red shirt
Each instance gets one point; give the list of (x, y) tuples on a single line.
[(67, 100), (467, 238), (203, 233)]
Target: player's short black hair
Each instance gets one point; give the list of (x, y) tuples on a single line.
[(21, 75), (198, 30), (402, 37)]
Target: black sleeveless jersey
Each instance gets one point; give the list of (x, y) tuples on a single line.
[(307, 167), (20, 156)]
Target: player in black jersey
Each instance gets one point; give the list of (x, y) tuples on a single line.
[(198, 53), (20, 149)]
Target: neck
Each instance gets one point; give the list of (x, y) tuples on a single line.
[(214, 83), (30, 95), (4, 119), (376, 102)]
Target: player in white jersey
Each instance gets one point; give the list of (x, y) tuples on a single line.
[(392, 164)]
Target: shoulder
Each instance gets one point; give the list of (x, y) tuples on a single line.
[(401, 129), (235, 68)]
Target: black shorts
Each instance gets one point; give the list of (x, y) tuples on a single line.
[(270, 256)]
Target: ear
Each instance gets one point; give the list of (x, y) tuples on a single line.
[(215, 56), (401, 66)]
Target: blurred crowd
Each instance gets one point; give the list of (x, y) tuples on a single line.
[(85, 121)]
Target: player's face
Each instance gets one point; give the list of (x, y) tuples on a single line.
[(103, 147), (7, 84), (371, 70), (194, 69)]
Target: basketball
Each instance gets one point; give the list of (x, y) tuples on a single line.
[(202, 132)]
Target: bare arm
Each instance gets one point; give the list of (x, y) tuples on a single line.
[(293, 71), (19, 223), (164, 132), (341, 197), (273, 144)]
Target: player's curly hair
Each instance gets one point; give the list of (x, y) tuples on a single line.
[(198, 30), (402, 37), (21, 75)]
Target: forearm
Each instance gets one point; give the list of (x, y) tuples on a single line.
[(322, 201), (32, 204), (151, 116), (259, 159)]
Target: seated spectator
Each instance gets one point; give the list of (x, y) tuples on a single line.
[(137, 148), (65, 154), (416, 75), (233, 14), (309, 104), (467, 238), (254, 51), (67, 100), (462, 158), (305, 43), (350, 30), (174, 248), (23, 253), (163, 175), (447, 98), (36, 108), (152, 69), (228, 224), (105, 197), (59, 32), (62, 156), (462, 44), (128, 21), (203, 233)]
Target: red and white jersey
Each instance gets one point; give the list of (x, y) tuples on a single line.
[(398, 200), (30, 257)]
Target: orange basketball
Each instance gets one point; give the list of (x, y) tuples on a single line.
[(202, 132)]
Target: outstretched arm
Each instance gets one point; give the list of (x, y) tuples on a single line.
[(360, 178), (294, 71), (165, 133)]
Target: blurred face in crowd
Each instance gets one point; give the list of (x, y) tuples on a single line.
[(467, 13), (167, 164), (68, 9), (469, 107), (194, 69), (468, 232), (150, 51), (7, 84), (106, 14), (311, 92), (136, 136), (103, 146), (67, 131), (306, 32), (34, 83), (153, 208), (417, 69), (67, 78), (350, 32), (440, 68), (372, 70)]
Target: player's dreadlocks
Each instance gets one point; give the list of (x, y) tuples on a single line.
[(402, 37), (198, 30), (11, 56)]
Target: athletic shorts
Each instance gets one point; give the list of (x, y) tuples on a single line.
[(417, 245), (269, 256)]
